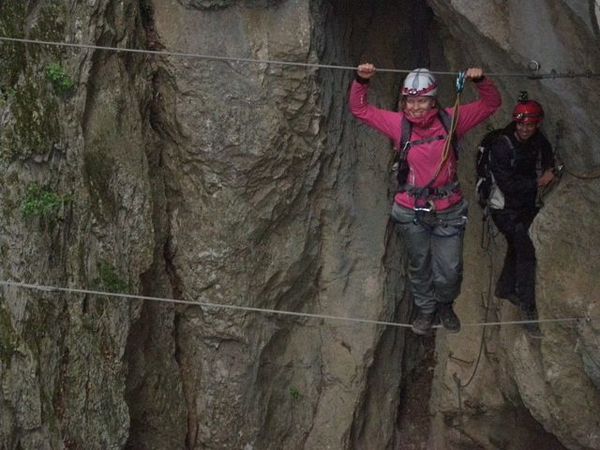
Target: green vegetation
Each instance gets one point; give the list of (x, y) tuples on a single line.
[(6, 95), (50, 24), (109, 280), (295, 393), (42, 203), (61, 82), (36, 129), (12, 57), (33, 128)]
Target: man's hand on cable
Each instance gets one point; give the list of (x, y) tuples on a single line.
[(546, 178), (366, 71), (474, 74)]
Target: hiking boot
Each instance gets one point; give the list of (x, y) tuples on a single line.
[(448, 318), (509, 296), (532, 328), (422, 323)]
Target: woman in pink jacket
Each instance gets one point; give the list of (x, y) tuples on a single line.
[(429, 205)]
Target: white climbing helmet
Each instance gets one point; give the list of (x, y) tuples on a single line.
[(420, 82)]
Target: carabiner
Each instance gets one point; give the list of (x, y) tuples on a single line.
[(460, 82)]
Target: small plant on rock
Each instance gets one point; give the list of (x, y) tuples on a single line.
[(43, 203), (295, 393), (109, 280), (61, 82)]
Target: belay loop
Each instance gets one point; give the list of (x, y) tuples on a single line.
[(460, 82)]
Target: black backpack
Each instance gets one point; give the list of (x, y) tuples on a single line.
[(405, 144), (486, 184)]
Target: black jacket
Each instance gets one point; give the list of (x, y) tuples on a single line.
[(516, 170)]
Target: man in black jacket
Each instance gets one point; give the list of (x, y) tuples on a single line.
[(516, 157)]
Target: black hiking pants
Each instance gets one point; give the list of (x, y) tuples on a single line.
[(518, 273)]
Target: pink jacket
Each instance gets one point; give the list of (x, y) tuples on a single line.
[(424, 159)]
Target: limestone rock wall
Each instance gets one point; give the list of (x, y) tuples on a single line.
[(531, 394), (268, 195), (211, 181), (250, 184), (77, 211)]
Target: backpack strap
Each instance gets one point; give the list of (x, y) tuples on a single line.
[(508, 140), (513, 159), (405, 143)]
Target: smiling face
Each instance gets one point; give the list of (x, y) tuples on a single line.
[(419, 106), (524, 130)]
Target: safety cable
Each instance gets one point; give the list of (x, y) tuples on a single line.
[(583, 176), (264, 310), (588, 355), (562, 167), (487, 300), (530, 75)]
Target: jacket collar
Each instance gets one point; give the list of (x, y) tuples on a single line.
[(423, 122)]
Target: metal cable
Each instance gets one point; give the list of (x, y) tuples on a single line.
[(260, 310), (487, 300), (593, 175), (562, 166), (530, 75)]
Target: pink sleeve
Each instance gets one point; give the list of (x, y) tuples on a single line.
[(386, 122), (472, 114)]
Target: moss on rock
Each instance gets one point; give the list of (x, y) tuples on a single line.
[(8, 338), (99, 171), (12, 56), (34, 126)]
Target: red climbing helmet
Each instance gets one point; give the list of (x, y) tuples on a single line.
[(528, 111), (420, 82)]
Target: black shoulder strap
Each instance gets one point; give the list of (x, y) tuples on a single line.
[(445, 118), (508, 141), (512, 148), (405, 132)]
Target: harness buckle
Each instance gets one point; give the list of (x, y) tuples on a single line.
[(405, 148), (426, 215), (428, 207)]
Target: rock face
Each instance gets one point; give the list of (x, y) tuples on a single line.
[(520, 383), (242, 184)]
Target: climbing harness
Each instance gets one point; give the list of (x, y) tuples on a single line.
[(424, 209), (449, 143), (401, 162)]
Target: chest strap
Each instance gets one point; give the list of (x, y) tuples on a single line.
[(409, 144), (429, 193)]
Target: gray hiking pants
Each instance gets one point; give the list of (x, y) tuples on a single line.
[(435, 253)]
